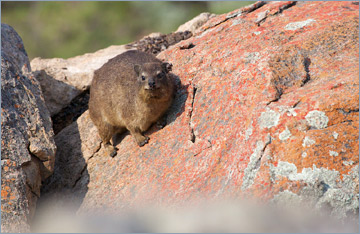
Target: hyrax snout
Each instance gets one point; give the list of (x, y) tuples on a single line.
[(129, 92)]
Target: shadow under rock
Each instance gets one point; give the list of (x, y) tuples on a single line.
[(71, 112), (178, 105)]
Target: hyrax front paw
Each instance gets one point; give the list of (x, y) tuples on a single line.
[(113, 153), (110, 150), (143, 140)]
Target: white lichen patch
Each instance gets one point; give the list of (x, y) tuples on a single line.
[(299, 24), (254, 164), (251, 169), (291, 112), (257, 33), (284, 135), (304, 154), (269, 119), (252, 57), (248, 133), (336, 192), (238, 21), (333, 153), (317, 119), (341, 196), (335, 135), (308, 142), (284, 169), (309, 175), (348, 163)]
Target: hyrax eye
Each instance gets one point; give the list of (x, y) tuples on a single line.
[(142, 77), (160, 75)]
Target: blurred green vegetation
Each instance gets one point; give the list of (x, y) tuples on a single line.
[(67, 29)]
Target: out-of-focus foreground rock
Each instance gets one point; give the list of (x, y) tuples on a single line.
[(27, 139)]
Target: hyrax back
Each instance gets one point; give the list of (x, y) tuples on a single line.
[(131, 91)]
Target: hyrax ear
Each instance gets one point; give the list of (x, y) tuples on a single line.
[(137, 69), (166, 67)]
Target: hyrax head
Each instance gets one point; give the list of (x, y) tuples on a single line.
[(152, 76)]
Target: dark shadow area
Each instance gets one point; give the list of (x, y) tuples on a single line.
[(72, 112), (178, 105), (118, 137), (307, 63)]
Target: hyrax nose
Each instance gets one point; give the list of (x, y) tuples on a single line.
[(152, 84)]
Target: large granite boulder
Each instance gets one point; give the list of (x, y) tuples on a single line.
[(266, 106), (27, 139)]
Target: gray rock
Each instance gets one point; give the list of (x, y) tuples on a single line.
[(27, 146), (13, 47), (76, 144)]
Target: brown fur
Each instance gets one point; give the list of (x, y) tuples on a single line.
[(121, 100)]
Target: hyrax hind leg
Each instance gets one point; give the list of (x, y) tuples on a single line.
[(106, 131)]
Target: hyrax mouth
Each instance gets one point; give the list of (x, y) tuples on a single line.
[(151, 92), (151, 88)]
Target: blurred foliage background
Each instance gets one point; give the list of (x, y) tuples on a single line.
[(66, 29)]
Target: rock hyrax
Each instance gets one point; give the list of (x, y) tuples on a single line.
[(129, 92)]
